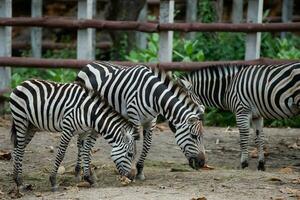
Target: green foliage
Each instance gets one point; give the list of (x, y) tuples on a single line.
[(222, 46), (206, 11), (215, 117), (59, 75), (146, 55), (287, 48)]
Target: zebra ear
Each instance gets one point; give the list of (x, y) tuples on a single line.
[(127, 137), (202, 108), (185, 84)]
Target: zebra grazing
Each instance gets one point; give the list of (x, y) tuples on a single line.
[(70, 109), (251, 92), (140, 94)]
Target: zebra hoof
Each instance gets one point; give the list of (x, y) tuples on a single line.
[(77, 178), (140, 176), (89, 180), (244, 164), (261, 165), (54, 188)]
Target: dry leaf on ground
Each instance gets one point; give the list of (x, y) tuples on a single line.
[(275, 179), (277, 198), (162, 127), (296, 181), (254, 152), (290, 191), (83, 184), (124, 180), (199, 198), (286, 170), (95, 150), (294, 146), (207, 167), (5, 155)]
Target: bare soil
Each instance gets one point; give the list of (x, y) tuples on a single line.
[(167, 174)]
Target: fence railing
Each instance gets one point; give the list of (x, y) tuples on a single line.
[(67, 23), (86, 25)]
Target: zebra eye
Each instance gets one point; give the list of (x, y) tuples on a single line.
[(194, 136), (130, 154)]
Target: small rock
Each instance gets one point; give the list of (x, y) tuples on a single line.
[(38, 194), (61, 170), (51, 149), (162, 187)]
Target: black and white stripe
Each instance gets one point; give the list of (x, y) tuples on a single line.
[(70, 109), (251, 92), (140, 94)]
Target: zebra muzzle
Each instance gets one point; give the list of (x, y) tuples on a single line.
[(197, 162)]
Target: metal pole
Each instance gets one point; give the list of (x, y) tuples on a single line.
[(253, 40), (166, 15)]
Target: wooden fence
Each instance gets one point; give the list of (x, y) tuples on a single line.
[(86, 26)]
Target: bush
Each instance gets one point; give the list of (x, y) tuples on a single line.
[(59, 75)]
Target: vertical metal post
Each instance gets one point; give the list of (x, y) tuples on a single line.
[(253, 40), (36, 32), (166, 15), (5, 46), (191, 15), (237, 11), (287, 13), (86, 37), (142, 37), (219, 7)]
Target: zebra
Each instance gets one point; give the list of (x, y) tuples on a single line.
[(140, 94), (68, 108), (252, 92)]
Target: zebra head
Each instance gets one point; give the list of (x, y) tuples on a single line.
[(123, 153), (189, 136)]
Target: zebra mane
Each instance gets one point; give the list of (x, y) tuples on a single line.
[(91, 93), (175, 88)]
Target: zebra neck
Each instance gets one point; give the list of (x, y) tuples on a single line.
[(171, 106), (211, 85)]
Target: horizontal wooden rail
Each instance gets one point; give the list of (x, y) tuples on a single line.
[(77, 64), (59, 22), (53, 45)]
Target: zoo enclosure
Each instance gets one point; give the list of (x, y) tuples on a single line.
[(86, 25)]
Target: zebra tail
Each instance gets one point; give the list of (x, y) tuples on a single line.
[(13, 136)]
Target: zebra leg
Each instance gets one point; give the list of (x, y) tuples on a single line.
[(18, 154), (259, 141), (147, 140), (64, 141), (242, 122), (88, 174), (21, 136), (80, 144)]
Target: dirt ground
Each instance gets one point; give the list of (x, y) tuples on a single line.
[(167, 174)]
